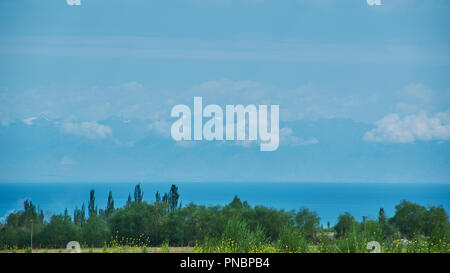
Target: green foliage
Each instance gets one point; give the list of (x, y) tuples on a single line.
[(356, 239), (58, 232), (173, 197), (388, 229), (236, 238), (344, 225), (291, 240), (414, 220), (95, 232), (79, 216), (236, 227), (410, 218), (17, 231), (270, 220), (12, 237), (129, 200), (308, 222), (92, 208), (109, 205), (138, 194), (165, 246), (174, 227), (326, 244), (25, 217), (438, 227)]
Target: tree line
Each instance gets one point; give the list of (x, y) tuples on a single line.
[(151, 223)]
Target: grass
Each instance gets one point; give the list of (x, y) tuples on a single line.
[(121, 249), (238, 238), (341, 246), (287, 245)]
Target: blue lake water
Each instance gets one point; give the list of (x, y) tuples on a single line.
[(327, 199)]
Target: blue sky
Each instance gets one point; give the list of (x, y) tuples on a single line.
[(86, 91)]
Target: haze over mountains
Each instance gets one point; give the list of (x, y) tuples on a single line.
[(328, 150)]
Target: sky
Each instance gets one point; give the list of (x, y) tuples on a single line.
[(363, 88)]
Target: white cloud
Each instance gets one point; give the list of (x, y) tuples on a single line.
[(87, 129), (373, 2), (411, 128), (29, 121), (73, 2), (287, 137)]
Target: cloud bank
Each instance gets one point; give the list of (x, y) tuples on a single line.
[(417, 127)]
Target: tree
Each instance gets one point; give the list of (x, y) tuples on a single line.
[(410, 219), (79, 216), (344, 225), (92, 208), (236, 203), (437, 224), (59, 232), (109, 207), (83, 213), (24, 218), (138, 194), (157, 197), (17, 230), (381, 217), (270, 220), (139, 219), (95, 232), (386, 228), (109, 204), (173, 197), (308, 222), (129, 199), (173, 229), (165, 198), (66, 215)]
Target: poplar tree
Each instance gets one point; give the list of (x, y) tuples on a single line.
[(173, 197), (91, 206), (138, 194), (109, 205), (129, 199)]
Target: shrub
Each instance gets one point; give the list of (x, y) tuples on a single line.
[(292, 240)]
